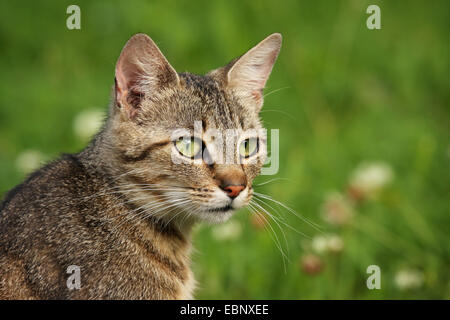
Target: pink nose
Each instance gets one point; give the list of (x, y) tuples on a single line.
[(233, 191)]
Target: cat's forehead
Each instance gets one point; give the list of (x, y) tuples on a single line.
[(201, 98)]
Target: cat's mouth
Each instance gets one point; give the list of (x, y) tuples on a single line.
[(221, 209)]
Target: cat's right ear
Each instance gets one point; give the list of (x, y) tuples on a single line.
[(141, 70), (248, 74)]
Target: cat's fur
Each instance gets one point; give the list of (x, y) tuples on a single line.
[(98, 209)]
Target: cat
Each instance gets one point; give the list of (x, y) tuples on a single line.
[(122, 209)]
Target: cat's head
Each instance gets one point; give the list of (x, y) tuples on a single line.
[(184, 145)]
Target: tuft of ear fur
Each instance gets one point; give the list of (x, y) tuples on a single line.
[(248, 74), (140, 70)]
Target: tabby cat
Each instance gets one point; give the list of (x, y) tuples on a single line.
[(122, 209)]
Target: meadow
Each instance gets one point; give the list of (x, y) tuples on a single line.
[(363, 118)]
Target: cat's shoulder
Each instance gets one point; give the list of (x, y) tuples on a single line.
[(55, 178)]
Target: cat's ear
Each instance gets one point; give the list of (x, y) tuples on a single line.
[(248, 74), (141, 70)]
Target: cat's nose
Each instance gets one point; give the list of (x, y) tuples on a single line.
[(231, 179), (233, 191)]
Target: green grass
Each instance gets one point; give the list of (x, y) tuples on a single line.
[(351, 95)]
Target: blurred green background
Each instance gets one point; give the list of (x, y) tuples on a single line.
[(364, 131)]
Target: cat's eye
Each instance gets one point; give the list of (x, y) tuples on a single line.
[(248, 147), (189, 146)]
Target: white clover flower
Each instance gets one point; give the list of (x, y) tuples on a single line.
[(29, 160), (319, 244), (337, 209), (227, 231), (327, 243), (335, 243), (370, 177), (407, 279), (87, 123)]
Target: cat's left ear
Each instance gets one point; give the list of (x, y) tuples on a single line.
[(248, 74), (141, 70)]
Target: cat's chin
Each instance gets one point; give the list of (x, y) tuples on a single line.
[(216, 215)]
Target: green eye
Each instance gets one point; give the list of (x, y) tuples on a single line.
[(248, 147), (188, 147)]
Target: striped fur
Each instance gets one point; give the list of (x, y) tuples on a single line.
[(120, 209)]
